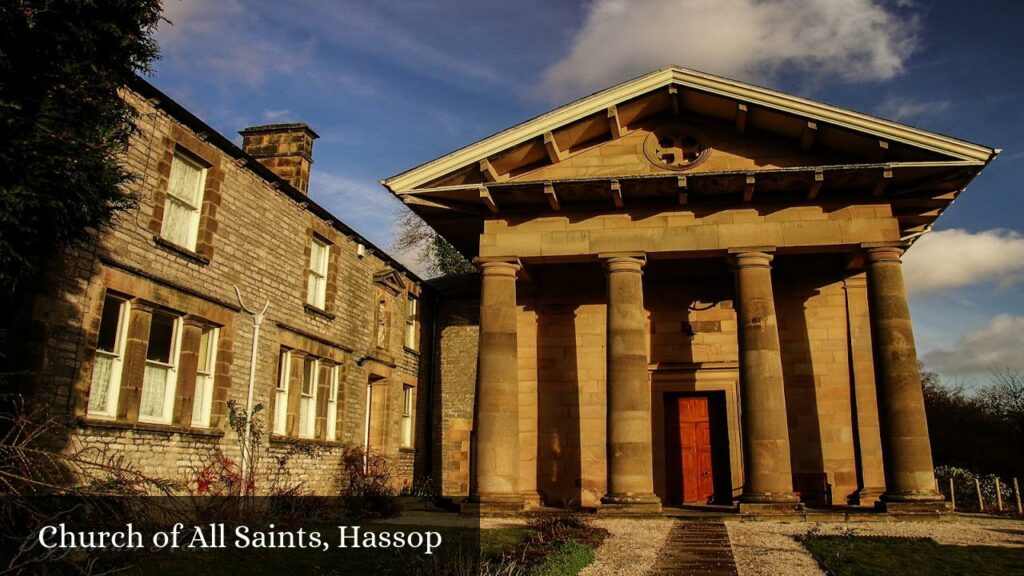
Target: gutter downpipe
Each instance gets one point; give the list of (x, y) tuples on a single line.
[(257, 320)]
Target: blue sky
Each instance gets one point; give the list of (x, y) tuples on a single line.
[(389, 85)]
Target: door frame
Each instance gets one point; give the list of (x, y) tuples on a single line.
[(720, 377)]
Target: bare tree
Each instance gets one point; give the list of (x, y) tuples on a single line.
[(429, 248)]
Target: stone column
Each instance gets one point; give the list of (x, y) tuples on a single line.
[(910, 478), (630, 458), (870, 471), (497, 395), (767, 472)]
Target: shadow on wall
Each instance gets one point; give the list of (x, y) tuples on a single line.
[(559, 468)]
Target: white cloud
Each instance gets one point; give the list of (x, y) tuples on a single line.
[(954, 258), (363, 205), (277, 115), (997, 345), (856, 40), (904, 109)]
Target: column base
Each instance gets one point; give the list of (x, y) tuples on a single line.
[(770, 508), (868, 497), (928, 509), (769, 498), (531, 499), (492, 505), (617, 504), (914, 502)]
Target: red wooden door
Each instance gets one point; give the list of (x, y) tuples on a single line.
[(695, 444)]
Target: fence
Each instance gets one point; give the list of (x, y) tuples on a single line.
[(967, 491)]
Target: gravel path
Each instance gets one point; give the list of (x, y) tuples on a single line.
[(631, 547), (769, 549)]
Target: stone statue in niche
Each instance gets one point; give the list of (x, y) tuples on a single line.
[(383, 322)]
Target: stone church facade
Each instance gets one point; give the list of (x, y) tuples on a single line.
[(690, 293)]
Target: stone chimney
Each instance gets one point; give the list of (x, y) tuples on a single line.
[(287, 149)]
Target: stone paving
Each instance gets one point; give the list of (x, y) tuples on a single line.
[(696, 548)]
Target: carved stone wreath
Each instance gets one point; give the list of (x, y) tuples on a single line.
[(677, 146)]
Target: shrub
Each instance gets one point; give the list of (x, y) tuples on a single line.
[(366, 488)]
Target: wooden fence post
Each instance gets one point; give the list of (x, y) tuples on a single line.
[(952, 492), (1016, 490), (981, 502), (999, 495)]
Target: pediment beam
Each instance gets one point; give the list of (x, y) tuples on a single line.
[(673, 98), (555, 153), (488, 171), (549, 193), (809, 135), (488, 199), (748, 188), (816, 183), (614, 124), (882, 184), (741, 118)]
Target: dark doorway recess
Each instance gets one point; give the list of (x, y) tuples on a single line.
[(697, 449)]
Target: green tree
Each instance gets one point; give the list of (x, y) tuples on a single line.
[(63, 123)]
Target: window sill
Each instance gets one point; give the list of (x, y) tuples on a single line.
[(278, 439), (412, 351), (318, 311), (180, 250), (407, 450), (87, 422)]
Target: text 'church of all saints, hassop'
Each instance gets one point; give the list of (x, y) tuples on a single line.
[(689, 291)]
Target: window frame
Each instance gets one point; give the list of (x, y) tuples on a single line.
[(195, 212), (279, 425), (331, 424), (171, 383), (412, 322), (117, 360), (209, 377), (317, 273), (408, 411), (307, 400)]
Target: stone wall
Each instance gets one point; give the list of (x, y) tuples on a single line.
[(693, 348), (255, 236)]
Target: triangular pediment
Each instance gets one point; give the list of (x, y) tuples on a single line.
[(681, 145), (391, 280), (677, 134)]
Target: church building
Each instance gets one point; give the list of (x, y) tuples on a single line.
[(690, 292)]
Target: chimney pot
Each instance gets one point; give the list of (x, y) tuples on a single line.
[(286, 149)]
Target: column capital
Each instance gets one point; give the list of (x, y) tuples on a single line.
[(751, 257), (498, 266), (884, 252), (623, 261)]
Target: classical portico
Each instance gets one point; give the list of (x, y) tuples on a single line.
[(690, 291)]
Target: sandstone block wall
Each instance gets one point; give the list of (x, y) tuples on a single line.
[(254, 237)]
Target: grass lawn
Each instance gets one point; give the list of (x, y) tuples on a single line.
[(871, 555)]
